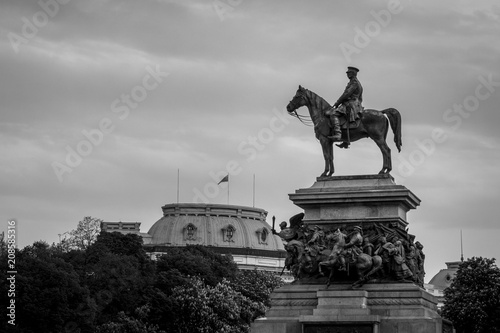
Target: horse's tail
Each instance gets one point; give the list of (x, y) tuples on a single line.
[(395, 121)]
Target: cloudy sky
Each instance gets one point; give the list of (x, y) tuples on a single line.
[(103, 101)]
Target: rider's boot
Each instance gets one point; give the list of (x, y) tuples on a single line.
[(337, 134), (343, 145)]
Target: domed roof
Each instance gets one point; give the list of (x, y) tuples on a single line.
[(223, 226), (444, 277)]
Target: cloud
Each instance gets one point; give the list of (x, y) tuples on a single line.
[(226, 80)]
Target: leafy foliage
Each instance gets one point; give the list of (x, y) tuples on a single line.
[(472, 302), (110, 285), (48, 292), (198, 261), (257, 286), (201, 309), (126, 324), (85, 234)]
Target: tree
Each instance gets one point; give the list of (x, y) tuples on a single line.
[(117, 271), (176, 269), (207, 309), (118, 243), (48, 293), (257, 286), (472, 301), (85, 233), (198, 261), (3, 244), (110, 285), (126, 324), (187, 282)]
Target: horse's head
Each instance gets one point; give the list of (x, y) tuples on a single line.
[(298, 100)]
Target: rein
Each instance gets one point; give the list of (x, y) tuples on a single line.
[(306, 120)]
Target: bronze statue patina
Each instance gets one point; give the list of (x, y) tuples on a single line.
[(317, 254), (368, 123), (351, 99)]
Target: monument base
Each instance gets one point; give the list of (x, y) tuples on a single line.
[(375, 308), (364, 200), (343, 206)]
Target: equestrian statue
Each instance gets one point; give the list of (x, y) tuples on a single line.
[(347, 121)]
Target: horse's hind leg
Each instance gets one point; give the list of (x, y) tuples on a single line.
[(378, 133), (386, 156), (375, 267)]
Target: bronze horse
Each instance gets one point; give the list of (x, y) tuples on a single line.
[(333, 259), (366, 265), (374, 125)]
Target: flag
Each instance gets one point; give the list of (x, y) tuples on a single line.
[(225, 179)]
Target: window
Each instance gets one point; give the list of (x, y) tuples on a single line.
[(262, 235)]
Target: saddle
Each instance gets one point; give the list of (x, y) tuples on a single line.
[(344, 123), (341, 114)]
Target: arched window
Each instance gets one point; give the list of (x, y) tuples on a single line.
[(262, 235)]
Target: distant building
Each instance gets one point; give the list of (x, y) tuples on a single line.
[(442, 280), (239, 231), (125, 228)]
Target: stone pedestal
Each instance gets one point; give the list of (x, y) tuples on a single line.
[(356, 200), (374, 308), (372, 202)]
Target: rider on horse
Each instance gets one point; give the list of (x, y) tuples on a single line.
[(354, 248), (351, 100)]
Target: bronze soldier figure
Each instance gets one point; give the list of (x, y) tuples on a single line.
[(351, 99), (353, 249)]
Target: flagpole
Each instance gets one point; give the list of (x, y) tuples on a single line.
[(226, 179), (461, 247), (178, 185), (253, 204)]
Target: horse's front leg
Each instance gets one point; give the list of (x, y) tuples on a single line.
[(324, 148), (325, 172), (330, 158)]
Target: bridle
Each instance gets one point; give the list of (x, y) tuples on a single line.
[(306, 120)]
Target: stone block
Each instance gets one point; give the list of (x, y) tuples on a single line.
[(363, 199), (411, 325), (340, 299), (276, 326)]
